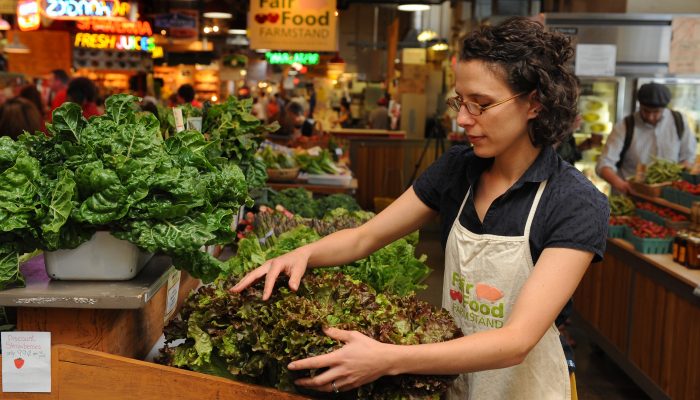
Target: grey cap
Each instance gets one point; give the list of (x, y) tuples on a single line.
[(654, 95)]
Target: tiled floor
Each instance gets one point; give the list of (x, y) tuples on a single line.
[(597, 377)]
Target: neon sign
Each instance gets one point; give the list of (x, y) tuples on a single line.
[(138, 28), (28, 17), (114, 42), (275, 57), (74, 9)]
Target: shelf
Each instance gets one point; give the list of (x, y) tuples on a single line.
[(661, 202)]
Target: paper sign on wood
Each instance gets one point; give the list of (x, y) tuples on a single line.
[(26, 361), (685, 46)]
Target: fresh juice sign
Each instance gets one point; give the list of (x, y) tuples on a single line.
[(299, 25)]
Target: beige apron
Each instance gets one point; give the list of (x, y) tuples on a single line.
[(483, 277)]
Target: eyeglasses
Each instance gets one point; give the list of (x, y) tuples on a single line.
[(475, 109)]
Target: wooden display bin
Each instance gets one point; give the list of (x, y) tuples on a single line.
[(118, 317), (80, 374)]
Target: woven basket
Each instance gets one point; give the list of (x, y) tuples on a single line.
[(282, 175)]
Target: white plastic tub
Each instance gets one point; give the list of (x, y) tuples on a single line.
[(103, 258)]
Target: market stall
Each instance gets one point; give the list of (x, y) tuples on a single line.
[(641, 305)]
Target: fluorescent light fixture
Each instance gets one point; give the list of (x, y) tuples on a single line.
[(414, 7), (262, 50), (237, 32), (217, 15)]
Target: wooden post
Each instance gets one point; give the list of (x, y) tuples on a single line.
[(391, 50)]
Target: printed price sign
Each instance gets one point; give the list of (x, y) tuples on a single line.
[(26, 361)]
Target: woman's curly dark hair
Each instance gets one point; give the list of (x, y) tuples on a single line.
[(531, 59)]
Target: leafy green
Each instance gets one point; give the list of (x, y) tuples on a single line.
[(244, 338), (116, 173), (238, 134)]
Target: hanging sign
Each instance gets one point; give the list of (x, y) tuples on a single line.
[(114, 42), (180, 24), (74, 9), (26, 361), (28, 17), (278, 57), (305, 25)]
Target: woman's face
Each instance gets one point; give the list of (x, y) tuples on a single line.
[(501, 128)]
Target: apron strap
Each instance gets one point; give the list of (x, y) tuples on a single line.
[(533, 208), (463, 203)]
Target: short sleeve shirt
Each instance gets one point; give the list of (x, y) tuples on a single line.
[(572, 212)]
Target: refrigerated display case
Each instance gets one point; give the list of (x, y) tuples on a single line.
[(601, 104)]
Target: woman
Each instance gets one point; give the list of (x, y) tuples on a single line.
[(19, 115), (520, 227)]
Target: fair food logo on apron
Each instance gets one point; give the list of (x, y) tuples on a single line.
[(476, 302)]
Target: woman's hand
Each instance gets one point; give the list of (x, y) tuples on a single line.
[(293, 264), (361, 360)]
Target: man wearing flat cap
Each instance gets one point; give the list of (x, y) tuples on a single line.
[(653, 131)]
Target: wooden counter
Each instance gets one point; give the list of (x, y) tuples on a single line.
[(118, 317), (79, 374), (644, 312), (364, 133)]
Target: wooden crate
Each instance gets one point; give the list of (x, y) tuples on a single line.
[(80, 374)]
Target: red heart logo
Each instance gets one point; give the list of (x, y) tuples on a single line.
[(260, 18), (273, 17), (18, 363)]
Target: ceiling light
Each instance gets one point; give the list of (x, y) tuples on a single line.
[(207, 29), (237, 32), (440, 46), (414, 7), (4, 25), (217, 15), (215, 28), (262, 50)]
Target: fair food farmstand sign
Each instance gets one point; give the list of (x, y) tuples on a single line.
[(300, 25)]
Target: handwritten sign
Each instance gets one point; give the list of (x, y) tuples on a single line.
[(26, 361), (299, 25), (685, 46)]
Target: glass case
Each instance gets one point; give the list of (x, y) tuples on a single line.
[(601, 103)]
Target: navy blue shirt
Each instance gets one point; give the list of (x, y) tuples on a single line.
[(572, 213)]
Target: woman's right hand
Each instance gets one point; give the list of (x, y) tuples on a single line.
[(293, 264)]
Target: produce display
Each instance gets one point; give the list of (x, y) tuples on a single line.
[(663, 212), (301, 202), (661, 170), (238, 135), (647, 229), (239, 336), (115, 172), (276, 159), (620, 205), (280, 220), (618, 221), (687, 187)]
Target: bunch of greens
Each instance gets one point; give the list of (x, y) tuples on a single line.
[(301, 202), (116, 173), (621, 205), (312, 163), (239, 134), (239, 336), (269, 220), (393, 268), (276, 159), (661, 170), (167, 118)]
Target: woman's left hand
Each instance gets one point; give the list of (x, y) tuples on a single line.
[(361, 360)]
